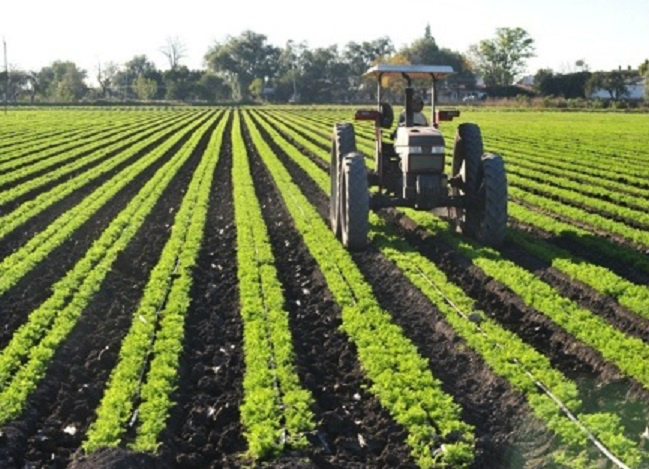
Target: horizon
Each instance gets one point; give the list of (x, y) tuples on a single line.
[(116, 37)]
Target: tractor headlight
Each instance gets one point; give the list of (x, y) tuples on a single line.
[(419, 150)]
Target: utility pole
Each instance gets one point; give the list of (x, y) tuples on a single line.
[(4, 43)]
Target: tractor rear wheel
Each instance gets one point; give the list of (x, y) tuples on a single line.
[(491, 211), (354, 202), (343, 142), (467, 165)]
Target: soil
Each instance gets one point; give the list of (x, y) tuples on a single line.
[(488, 401), (353, 430), (58, 413), (36, 285), (363, 435)]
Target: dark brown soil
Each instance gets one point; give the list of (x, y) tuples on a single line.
[(573, 358), (204, 429), (326, 361), (584, 295), (585, 249), (77, 375), (36, 285), (14, 240), (488, 401), (96, 146)]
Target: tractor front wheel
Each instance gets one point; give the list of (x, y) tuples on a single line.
[(354, 202)]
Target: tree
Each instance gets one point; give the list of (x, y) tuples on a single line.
[(62, 81), (290, 72), (213, 88), (242, 59), (644, 67), (106, 77), (326, 76), (181, 83), (426, 51), (501, 59), (256, 88), (145, 88), (174, 50), (613, 82), (124, 79), (567, 85), (18, 84)]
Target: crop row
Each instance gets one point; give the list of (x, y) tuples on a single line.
[(42, 132), (21, 261), (157, 329), (400, 377), (24, 361), (276, 409), (32, 207), (61, 147), (503, 351), (82, 156)]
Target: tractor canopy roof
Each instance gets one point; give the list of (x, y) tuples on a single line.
[(438, 72)]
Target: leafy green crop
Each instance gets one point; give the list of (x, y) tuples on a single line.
[(274, 402), (400, 377), (157, 326)]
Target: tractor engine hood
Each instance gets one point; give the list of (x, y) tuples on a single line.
[(429, 139), (421, 149)]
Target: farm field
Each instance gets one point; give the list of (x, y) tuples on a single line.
[(172, 297)]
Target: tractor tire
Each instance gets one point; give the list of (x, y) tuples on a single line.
[(467, 162), (343, 142), (354, 203), (493, 192)]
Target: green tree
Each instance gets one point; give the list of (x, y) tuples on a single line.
[(501, 59), (644, 67), (612, 82), (242, 59), (62, 82), (256, 88), (124, 80), (145, 88), (360, 56), (181, 83), (426, 51), (213, 88), (568, 85)]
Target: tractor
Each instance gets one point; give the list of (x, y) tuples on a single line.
[(409, 167)]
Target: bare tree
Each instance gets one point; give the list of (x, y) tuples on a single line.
[(174, 50), (106, 77)]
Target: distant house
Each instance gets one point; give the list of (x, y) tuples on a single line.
[(526, 82), (634, 87)]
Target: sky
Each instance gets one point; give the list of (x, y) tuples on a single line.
[(606, 34)]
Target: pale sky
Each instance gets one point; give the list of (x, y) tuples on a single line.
[(606, 34)]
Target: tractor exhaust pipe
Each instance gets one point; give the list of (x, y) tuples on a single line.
[(409, 115)]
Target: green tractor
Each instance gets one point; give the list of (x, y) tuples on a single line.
[(409, 171)]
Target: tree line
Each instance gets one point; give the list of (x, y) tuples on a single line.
[(248, 67)]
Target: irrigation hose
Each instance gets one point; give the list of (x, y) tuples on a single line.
[(598, 444)]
